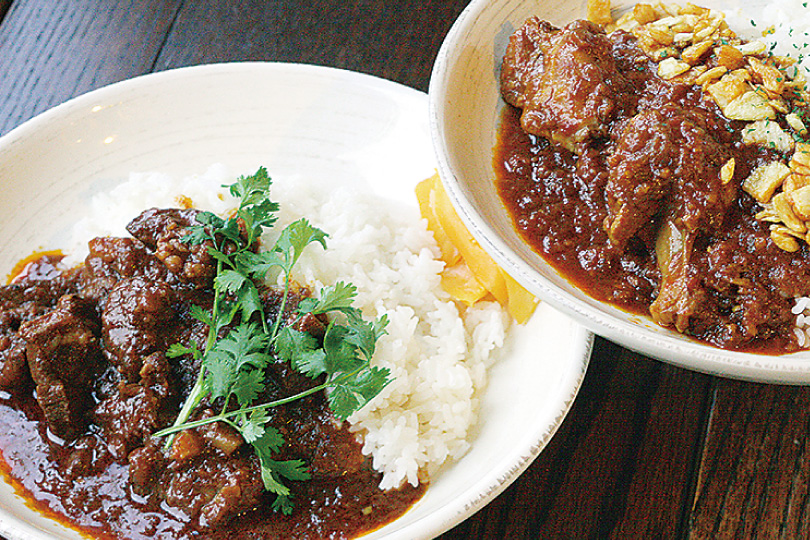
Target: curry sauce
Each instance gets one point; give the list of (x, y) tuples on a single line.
[(620, 179)]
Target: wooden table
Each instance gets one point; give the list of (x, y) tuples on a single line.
[(648, 450)]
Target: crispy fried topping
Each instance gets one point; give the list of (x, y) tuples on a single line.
[(694, 45)]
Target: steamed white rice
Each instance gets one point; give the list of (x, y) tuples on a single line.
[(438, 354), (784, 25)]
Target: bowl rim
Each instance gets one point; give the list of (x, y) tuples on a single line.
[(659, 343), (483, 489)]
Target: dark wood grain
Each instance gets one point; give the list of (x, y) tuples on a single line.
[(394, 40), (648, 450), (52, 51), (621, 464), (754, 474)]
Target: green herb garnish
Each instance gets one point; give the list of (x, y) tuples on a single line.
[(233, 366)]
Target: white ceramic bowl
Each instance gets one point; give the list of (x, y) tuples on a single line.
[(465, 107), (325, 124)]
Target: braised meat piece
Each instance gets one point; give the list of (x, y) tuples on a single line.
[(112, 259), (13, 311), (13, 364), (211, 474), (640, 175), (565, 80), (317, 438), (144, 306), (162, 231), (200, 480), (666, 160), (135, 316), (62, 348), (136, 410), (25, 299)]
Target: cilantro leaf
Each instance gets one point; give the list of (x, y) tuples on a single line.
[(224, 313), (247, 386), (357, 390), (249, 300), (195, 235), (295, 237), (337, 297), (283, 504), (293, 469), (273, 471), (234, 362), (302, 351), (176, 350), (203, 316), (255, 218), (219, 373), (251, 189), (341, 354), (363, 334), (229, 281), (251, 431), (257, 265), (343, 401), (252, 425)]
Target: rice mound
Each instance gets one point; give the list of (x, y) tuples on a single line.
[(437, 352), (784, 25)]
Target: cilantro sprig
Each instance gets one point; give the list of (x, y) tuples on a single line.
[(241, 343)]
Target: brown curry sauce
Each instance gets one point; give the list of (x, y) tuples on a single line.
[(103, 507), (102, 474), (560, 205)]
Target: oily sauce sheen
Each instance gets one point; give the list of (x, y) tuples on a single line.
[(105, 507), (561, 216), (85, 383), (563, 199)]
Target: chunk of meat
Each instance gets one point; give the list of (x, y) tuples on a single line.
[(13, 312), (137, 410), (666, 160), (34, 292), (112, 259), (667, 166), (565, 80), (206, 484), (214, 490), (329, 450), (640, 175), (13, 363), (85, 456), (135, 317), (162, 230), (62, 349)]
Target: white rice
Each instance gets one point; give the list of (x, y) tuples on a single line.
[(801, 327), (438, 354), (784, 25)]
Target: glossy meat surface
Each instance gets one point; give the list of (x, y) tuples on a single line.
[(638, 213), (86, 382), (566, 81), (666, 159)]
